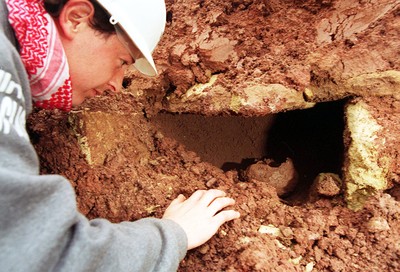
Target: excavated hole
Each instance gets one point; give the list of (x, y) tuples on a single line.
[(312, 138)]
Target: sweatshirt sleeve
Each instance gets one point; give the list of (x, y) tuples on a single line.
[(40, 226)]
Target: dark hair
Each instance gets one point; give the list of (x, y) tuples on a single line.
[(100, 21)]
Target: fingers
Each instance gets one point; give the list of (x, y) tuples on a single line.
[(201, 214), (196, 196), (220, 203), (211, 201), (205, 197), (212, 195), (214, 201), (225, 216)]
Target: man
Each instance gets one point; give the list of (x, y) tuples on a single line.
[(58, 61)]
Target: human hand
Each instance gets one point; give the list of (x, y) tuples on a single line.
[(200, 215)]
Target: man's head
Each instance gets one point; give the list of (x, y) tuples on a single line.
[(102, 38)]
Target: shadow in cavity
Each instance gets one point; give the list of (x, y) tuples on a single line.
[(228, 142), (312, 138)]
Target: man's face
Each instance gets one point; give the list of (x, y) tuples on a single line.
[(97, 64)]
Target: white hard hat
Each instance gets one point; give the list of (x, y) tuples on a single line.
[(140, 24)]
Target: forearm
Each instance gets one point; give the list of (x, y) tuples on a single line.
[(41, 230)]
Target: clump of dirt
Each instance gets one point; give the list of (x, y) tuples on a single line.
[(282, 176), (270, 235), (326, 184)]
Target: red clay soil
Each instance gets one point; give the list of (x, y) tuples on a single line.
[(270, 235), (292, 43), (314, 44)]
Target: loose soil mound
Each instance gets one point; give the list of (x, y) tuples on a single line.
[(270, 235)]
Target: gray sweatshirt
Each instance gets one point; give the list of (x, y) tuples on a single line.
[(40, 227)]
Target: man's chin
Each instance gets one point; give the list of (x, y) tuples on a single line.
[(79, 97), (77, 101)]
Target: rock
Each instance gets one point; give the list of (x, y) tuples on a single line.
[(377, 224), (270, 229), (282, 176), (371, 142), (326, 184)]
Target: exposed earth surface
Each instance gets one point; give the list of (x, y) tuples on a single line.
[(265, 122), (311, 228)]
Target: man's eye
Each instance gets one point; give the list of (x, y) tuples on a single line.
[(124, 62)]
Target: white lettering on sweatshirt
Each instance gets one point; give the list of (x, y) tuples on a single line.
[(12, 114), (9, 86)]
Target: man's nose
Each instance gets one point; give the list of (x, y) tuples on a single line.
[(116, 81)]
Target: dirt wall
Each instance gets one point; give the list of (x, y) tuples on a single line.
[(258, 57)]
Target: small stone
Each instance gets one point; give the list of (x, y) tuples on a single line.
[(326, 184), (195, 170), (270, 229), (211, 182), (377, 224), (158, 135), (204, 249), (309, 267), (279, 244), (287, 232), (296, 261), (308, 94)]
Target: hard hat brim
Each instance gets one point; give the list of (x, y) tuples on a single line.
[(133, 38), (144, 64)]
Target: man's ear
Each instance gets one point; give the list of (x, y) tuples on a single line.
[(74, 16)]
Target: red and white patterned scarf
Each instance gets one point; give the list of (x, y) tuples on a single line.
[(42, 53)]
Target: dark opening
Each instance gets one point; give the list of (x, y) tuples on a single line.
[(312, 138)]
